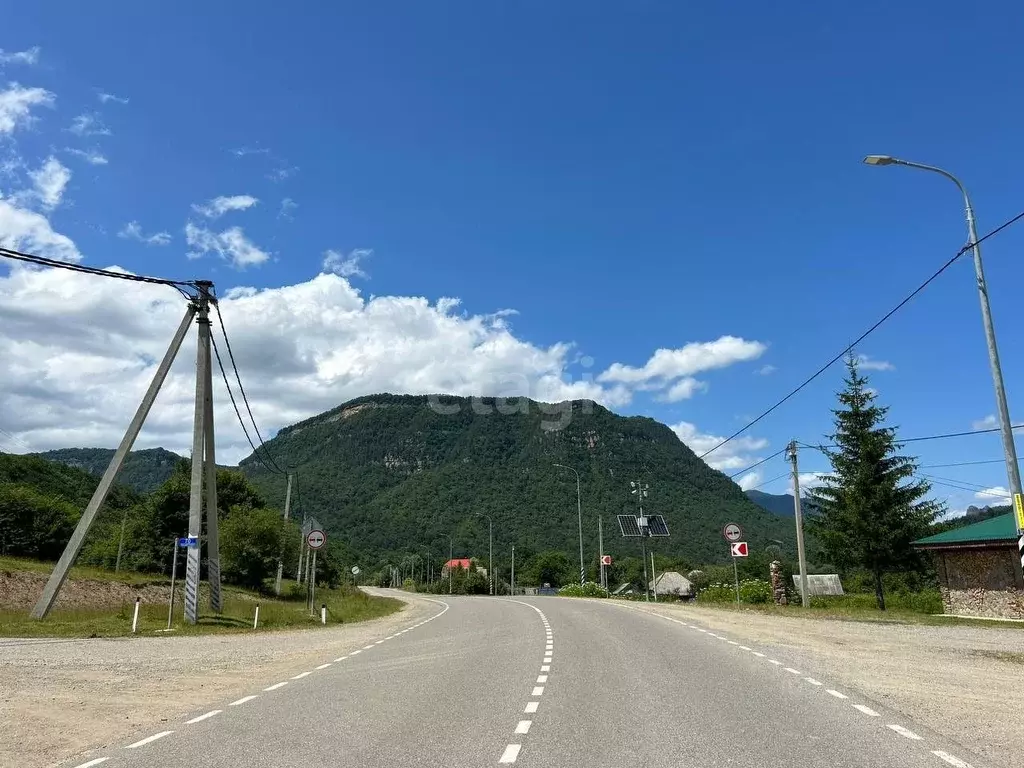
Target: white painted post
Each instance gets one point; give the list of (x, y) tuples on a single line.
[(323, 613), (135, 618), (256, 618)]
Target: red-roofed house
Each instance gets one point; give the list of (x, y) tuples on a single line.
[(461, 562)]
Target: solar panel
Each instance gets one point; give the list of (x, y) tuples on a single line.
[(657, 526), (628, 526)]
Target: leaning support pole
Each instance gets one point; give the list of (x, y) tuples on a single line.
[(212, 527), (67, 558), (195, 506)]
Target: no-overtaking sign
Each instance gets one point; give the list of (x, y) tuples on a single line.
[(316, 539)]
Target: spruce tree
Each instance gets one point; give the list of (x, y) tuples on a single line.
[(871, 506)]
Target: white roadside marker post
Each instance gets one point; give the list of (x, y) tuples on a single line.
[(135, 618)]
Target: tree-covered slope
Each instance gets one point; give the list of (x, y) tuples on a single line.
[(143, 470), (393, 473)]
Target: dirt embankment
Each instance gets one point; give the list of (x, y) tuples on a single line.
[(19, 590)]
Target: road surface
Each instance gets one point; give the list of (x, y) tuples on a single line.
[(546, 683)]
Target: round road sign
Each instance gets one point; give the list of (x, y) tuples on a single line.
[(732, 532), (355, 570), (316, 539)]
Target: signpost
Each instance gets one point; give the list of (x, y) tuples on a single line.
[(315, 540), (188, 541), (737, 549), (732, 532), (606, 559)]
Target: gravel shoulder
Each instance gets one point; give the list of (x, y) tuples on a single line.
[(960, 681), (60, 698)]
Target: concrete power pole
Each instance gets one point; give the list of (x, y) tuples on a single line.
[(60, 572), (280, 559), (805, 598), (600, 547)]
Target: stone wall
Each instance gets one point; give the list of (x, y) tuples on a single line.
[(981, 582)]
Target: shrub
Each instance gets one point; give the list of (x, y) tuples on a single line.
[(717, 593), (588, 589), (409, 585), (752, 592)]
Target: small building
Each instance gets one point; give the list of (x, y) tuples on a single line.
[(979, 568), (672, 583), (461, 562)]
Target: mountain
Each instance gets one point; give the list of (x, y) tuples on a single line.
[(776, 503), (388, 473), (143, 470)]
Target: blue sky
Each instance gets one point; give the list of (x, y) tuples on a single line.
[(627, 177)]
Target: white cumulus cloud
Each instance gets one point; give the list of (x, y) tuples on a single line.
[(749, 480), (692, 358), (77, 353), (996, 496), (29, 231), (29, 56), (106, 97), (231, 245), (735, 454), (16, 104), (766, 370), (133, 231), (989, 422), (220, 205), (346, 265), (49, 182), (684, 389)]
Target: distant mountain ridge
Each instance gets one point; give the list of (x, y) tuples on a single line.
[(391, 472), (777, 503), (143, 471)]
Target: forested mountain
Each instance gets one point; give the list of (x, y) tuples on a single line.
[(776, 503), (390, 473), (143, 470)]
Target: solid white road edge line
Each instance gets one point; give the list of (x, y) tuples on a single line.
[(937, 752), (275, 686), (302, 675), (203, 717), (531, 707), (511, 753), (242, 700), (97, 761), (149, 739), (904, 731), (524, 726)]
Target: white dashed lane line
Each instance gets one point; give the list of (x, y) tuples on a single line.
[(91, 763), (275, 686), (531, 707), (242, 700), (511, 753), (302, 675), (149, 739), (207, 716), (862, 708), (524, 726)]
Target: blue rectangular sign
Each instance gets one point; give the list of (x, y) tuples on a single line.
[(188, 541)]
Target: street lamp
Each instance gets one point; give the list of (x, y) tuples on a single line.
[(579, 517), (490, 550), (1005, 428)]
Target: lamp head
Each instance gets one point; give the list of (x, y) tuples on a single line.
[(879, 160)]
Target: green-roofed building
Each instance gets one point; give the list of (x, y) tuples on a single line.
[(979, 569)]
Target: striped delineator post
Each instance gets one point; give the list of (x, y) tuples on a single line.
[(1018, 508)]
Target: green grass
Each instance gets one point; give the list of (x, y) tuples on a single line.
[(344, 605)]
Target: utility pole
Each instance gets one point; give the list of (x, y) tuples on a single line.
[(512, 584), (490, 551), (280, 558), (600, 557), (579, 520), (74, 545), (805, 598), (654, 578), (640, 491), (302, 550), (451, 556)]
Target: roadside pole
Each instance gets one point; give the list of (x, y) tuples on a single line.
[(174, 573), (312, 584), (280, 558), (805, 598), (512, 584), (654, 578), (600, 549), (736, 575)]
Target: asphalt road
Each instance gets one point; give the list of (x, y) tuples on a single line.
[(477, 685)]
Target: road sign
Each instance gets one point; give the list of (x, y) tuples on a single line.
[(1018, 504), (188, 541), (732, 532), (316, 539), (739, 549), (355, 570), (606, 559)]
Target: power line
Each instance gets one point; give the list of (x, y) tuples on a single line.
[(752, 466), (234, 404), (245, 399), (15, 439), (961, 488), (96, 271), (962, 464), (767, 482), (866, 333), (822, 447)]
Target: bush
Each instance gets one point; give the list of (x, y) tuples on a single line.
[(717, 593), (588, 589), (752, 592), (409, 585)]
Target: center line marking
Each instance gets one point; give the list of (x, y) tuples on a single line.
[(812, 681), (744, 648), (368, 647), (937, 752), (340, 658), (837, 694), (904, 732), (324, 666), (149, 739), (355, 652), (511, 753), (206, 716), (758, 654), (242, 700), (275, 686), (378, 642), (733, 642), (545, 667), (531, 707), (542, 678), (538, 690), (773, 661), (790, 669), (547, 659), (524, 726), (302, 675), (91, 763), (866, 710)]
